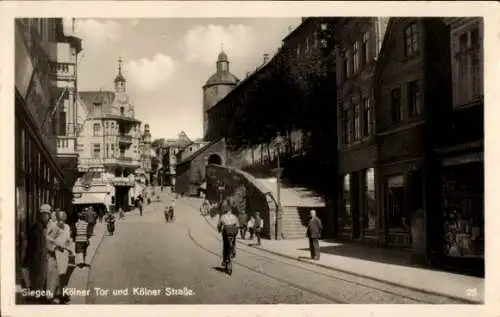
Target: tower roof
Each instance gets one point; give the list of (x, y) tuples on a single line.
[(119, 77), (222, 77), (222, 57)]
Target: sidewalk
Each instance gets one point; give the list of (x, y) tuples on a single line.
[(79, 277), (379, 264)]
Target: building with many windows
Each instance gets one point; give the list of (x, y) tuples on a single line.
[(65, 73), (109, 149), (358, 42), (460, 151), (412, 77), (39, 178), (147, 154)]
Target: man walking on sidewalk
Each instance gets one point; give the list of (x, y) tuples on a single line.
[(81, 241), (91, 219), (258, 226), (243, 219), (314, 229)]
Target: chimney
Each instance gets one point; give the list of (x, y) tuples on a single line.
[(266, 58)]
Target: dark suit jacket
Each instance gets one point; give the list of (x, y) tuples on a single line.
[(314, 228)]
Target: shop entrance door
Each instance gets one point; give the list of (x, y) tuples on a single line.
[(122, 197)]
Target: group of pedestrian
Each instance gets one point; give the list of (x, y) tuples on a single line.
[(252, 226), (47, 251)]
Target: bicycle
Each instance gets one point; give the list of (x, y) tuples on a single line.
[(229, 261)]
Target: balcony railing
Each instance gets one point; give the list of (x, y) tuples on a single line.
[(125, 139), (101, 162), (62, 70), (66, 146)]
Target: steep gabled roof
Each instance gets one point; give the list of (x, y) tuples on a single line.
[(381, 57), (106, 98)]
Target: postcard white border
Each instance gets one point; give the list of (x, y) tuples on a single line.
[(143, 9)]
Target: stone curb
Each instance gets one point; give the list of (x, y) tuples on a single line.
[(85, 274), (412, 288)]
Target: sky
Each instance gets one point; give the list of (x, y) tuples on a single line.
[(166, 61)]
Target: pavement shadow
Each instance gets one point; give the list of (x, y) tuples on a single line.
[(386, 256), (220, 269), (304, 258)]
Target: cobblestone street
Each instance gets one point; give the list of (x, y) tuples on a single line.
[(147, 254)]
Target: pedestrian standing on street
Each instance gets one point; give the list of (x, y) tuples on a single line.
[(101, 213), (139, 203), (91, 219), (58, 241), (243, 224), (36, 244), (204, 208), (81, 241), (258, 226), (121, 214), (251, 226), (314, 230)]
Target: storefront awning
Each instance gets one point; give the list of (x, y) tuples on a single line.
[(89, 198), (463, 159)]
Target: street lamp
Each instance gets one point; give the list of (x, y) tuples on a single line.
[(278, 142)]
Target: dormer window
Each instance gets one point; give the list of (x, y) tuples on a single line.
[(122, 110)]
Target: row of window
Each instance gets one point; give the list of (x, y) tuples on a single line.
[(111, 126), (357, 121), (36, 181), (111, 150), (355, 57), (359, 54)]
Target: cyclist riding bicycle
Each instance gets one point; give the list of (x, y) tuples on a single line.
[(228, 226)]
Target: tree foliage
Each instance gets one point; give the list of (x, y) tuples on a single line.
[(157, 143), (282, 97)]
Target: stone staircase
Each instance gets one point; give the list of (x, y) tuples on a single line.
[(296, 203)]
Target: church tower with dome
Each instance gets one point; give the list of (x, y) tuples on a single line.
[(217, 87)]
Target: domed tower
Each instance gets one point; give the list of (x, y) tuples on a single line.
[(122, 104), (217, 87), (120, 80), (146, 137)]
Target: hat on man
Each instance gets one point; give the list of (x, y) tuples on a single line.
[(45, 208)]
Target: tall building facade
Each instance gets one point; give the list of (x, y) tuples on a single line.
[(108, 145), (147, 154), (358, 44), (39, 178), (217, 87), (65, 73), (461, 150)]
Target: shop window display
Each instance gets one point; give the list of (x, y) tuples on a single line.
[(346, 216), (395, 200), (370, 217), (463, 195)]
